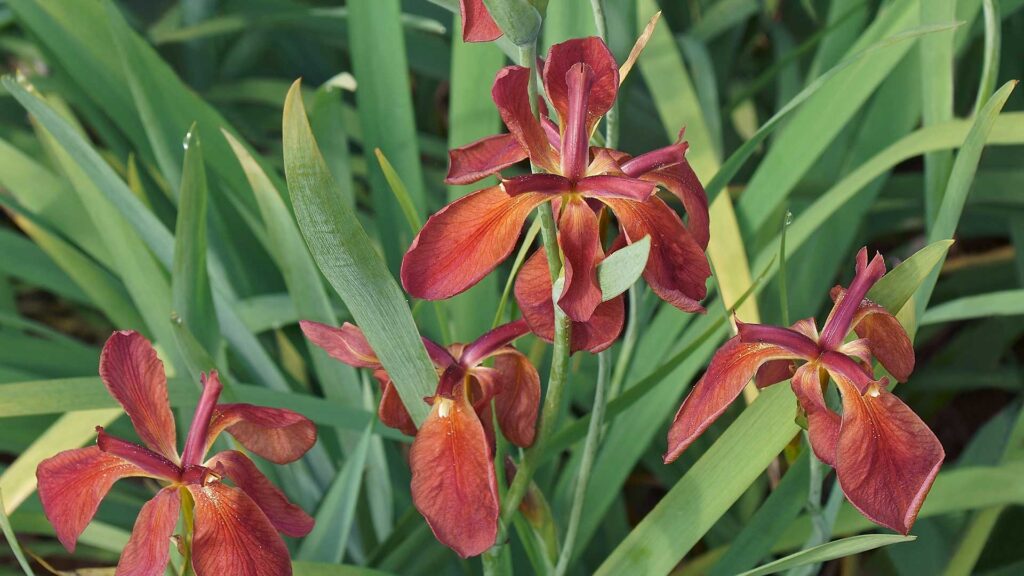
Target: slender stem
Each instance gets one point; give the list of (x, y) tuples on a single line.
[(783, 292), (586, 465), (559, 361), (611, 118), (628, 344), (822, 517)]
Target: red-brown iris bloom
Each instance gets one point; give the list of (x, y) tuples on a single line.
[(452, 457), (467, 239), (235, 529), (477, 24), (885, 457)]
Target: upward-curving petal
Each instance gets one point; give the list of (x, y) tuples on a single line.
[(886, 337), (677, 269), (511, 96), (72, 484), (453, 481), (604, 87), (477, 24), (287, 517), (533, 294), (346, 344), (465, 241), (277, 434), (478, 160), (732, 366), (233, 536), (887, 458), (838, 324), (134, 375), (580, 239), (149, 547)]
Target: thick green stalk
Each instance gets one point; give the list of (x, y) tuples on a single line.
[(586, 465)]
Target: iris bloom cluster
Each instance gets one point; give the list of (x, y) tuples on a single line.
[(885, 457), (235, 528), (452, 457), (467, 239)]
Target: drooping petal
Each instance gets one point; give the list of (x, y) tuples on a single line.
[(838, 324), (485, 157), (518, 398), (346, 344), (579, 237), (732, 366), (149, 547), (464, 241), (511, 96), (603, 88), (277, 434), (71, 485), (453, 481), (233, 536), (134, 376), (886, 337), (773, 372), (682, 182), (391, 410), (822, 423), (612, 186), (533, 295), (795, 342), (677, 269), (477, 24), (887, 458), (287, 517)]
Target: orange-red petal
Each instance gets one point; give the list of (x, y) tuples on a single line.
[(465, 241), (533, 294), (510, 93), (838, 324), (886, 337), (277, 434), (677, 269), (732, 366), (391, 410), (478, 160), (822, 423), (233, 536), (518, 398), (149, 547), (453, 481), (681, 181), (287, 517), (477, 24), (346, 344), (134, 376), (604, 85), (887, 458), (72, 484), (579, 237)]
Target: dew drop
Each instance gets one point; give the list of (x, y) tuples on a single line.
[(789, 217), (188, 137)]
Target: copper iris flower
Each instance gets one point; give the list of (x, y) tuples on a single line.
[(235, 528), (467, 239), (885, 457), (452, 458)]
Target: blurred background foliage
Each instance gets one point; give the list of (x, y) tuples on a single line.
[(90, 187)]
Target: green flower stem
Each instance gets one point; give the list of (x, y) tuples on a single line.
[(611, 118), (628, 344), (493, 558), (586, 465)]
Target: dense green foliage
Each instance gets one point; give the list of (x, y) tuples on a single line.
[(143, 165)]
